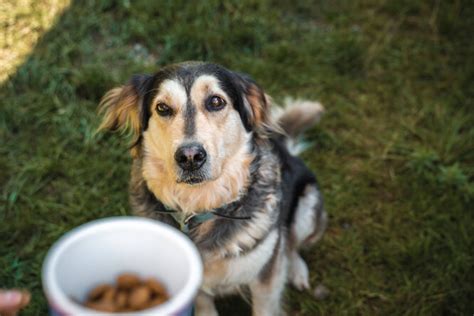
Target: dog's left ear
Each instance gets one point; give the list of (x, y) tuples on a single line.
[(122, 107), (255, 104)]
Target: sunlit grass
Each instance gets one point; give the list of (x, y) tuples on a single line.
[(22, 23)]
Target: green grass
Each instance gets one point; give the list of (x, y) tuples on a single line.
[(394, 153)]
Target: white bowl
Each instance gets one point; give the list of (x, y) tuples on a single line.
[(98, 251)]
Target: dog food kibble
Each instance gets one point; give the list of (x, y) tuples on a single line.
[(109, 295), (155, 286), (121, 300), (98, 291), (139, 296), (129, 294), (127, 281), (102, 306)]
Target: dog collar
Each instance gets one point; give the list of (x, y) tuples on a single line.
[(186, 222), (191, 220), (196, 219)]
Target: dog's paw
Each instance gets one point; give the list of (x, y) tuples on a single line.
[(299, 274)]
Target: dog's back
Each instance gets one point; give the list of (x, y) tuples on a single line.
[(302, 209), (297, 179)]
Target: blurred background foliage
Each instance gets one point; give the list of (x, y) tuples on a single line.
[(394, 153)]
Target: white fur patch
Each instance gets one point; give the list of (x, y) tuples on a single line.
[(294, 118), (247, 238), (313, 109), (205, 86), (299, 273), (245, 269), (227, 275), (297, 146), (305, 222), (172, 93)]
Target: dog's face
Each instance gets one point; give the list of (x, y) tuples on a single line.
[(189, 119), (193, 127)]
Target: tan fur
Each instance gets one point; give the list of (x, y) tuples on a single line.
[(119, 107), (196, 198), (222, 136), (214, 271), (204, 229), (257, 105)]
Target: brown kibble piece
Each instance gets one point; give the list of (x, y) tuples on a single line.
[(109, 295), (102, 306), (127, 281), (139, 296), (156, 287), (98, 291), (121, 299)]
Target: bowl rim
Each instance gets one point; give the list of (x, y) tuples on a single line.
[(57, 299)]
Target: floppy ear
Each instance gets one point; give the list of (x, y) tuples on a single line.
[(122, 107), (256, 105)]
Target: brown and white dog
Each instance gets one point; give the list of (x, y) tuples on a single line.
[(210, 155)]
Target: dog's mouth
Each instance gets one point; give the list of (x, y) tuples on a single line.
[(191, 180), (193, 177)]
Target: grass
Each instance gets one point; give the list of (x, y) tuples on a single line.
[(394, 153), (22, 23)]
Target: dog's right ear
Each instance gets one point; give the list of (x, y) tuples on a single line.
[(122, 107)]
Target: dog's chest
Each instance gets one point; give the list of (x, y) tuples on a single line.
[(239, 270)]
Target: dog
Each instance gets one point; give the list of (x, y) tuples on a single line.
[(213, 158)]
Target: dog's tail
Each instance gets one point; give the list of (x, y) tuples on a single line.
[(294, 118)]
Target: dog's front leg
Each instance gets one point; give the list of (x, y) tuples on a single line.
[(205, 305), (267, 290), (266, 298)]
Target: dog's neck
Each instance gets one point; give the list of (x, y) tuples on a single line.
[(189, 199)]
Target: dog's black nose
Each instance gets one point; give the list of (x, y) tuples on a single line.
[(190, 157)]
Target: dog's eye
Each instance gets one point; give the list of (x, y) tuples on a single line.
[(215, 103), (163, 110)]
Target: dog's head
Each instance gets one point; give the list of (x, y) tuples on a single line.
[(189, 118)]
